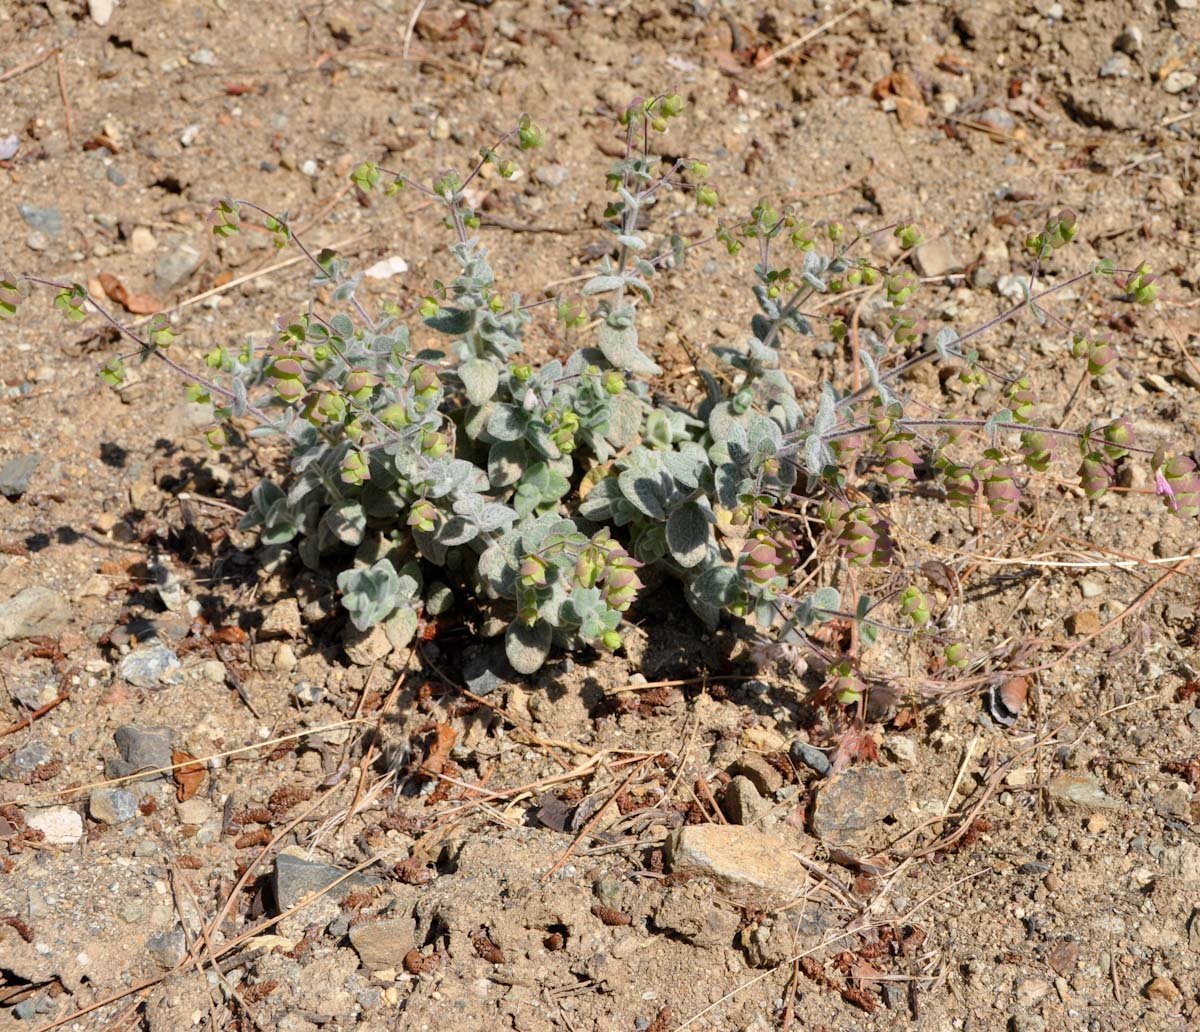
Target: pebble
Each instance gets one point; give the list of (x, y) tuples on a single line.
[(366, 647), (440, 130), (37, 241), (168, 948), (999, 119), (282, 621), (309, 168), (552, 175), (177, 267), (294, 878), (764, 777), (1090, 588), (1119, 66), (383, 944), (307, 693), (25, 760), (100, 11), (114, 175), (169, 587), (15, 474), (901, 749), (936, 258), (1031, 990), (61, 825), (1083, 623), (151, 667), (386, 268), (213, 671), (9, 145), (142, 241), (45, 220), (1082, 790), (189, 135), (140, 749), (1178, 81), (744, 864), (689, 912), (1130, 41), (1163, 990), (35, 694), (855, 799), (32, 612), (742, 803), (203, 56), (285, 658), (809, 756), (112, 805), (194, 811)]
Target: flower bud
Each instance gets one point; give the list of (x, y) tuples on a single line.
[(899, 458), (999, 487), (1182, 485), (858, 539), (909, 236), (215, 436), (1021, 399), (423, 379), (956, 655), (359, 384), (848, 688), (1117, 436), (355, 468), (1094, 474), (614, 382), (961, 485), (533, 571), (1036, 450), (433, 444), (1102, 357), (394, 416), (706, 197), (422, 516), (914, 605), (611, 640)]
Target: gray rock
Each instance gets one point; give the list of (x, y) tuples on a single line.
[(1119, 66), (151, 667), (112, 805), (203, 56), (690, 912), (168, 948), (999, 119), (9, 145), (141, 749), (805, 755), (294, 878), (34, 611), (744, 864), (742, 803), (1082, 790), (15, 474), (382, 944), (856, 799), (486, 671), (35, 694), (937, 258), (25, 760), (37, 241), (551, 175), (114, 175), (61, 825), (177, 267), (44, 220), (169, 587), (307, 693)]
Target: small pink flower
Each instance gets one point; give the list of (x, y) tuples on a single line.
[(1163, 487)]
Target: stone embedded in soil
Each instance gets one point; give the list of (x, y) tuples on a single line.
[(1063, 957), (1178, 81), (151, 667), (1082, 790), (195, 811), (488, 670), (112, 805), (31, 612), (937, 258), (760, 773), (745, 864), (689, 911), (16, 473), (551, 175), (25, 760), (101, 11), (168, 948), (282, 621), (809, 756), (1162, 990), (177, 267), (44, 220), (366, 647), (742, 803), (294, 878), (855, 799), (383, 944), (141, 749), (1085, 622), (61, 825)]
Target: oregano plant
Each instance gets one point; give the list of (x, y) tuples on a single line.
[(544, 491)]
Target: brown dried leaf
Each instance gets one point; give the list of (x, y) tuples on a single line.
[(439, 749), (188, 777)]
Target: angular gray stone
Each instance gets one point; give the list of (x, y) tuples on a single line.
[(151, 667), (61, 825), (15, 474), (25, 760), (742, 803), (382, 944), (1082, 790), (177, 267), (34, 611), (168, 948), (112, 805), (937, 258), (141, 748), (294, 878), (486, 671), (44, 220), (805, 755), (855, 799), (744, 864)]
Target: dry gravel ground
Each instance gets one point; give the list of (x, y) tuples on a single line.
[(1065, 888)]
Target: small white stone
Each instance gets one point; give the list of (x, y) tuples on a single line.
[(142, 241), (309, 168), (189, 135), (61, 825), (386, 268), (101, 11)]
